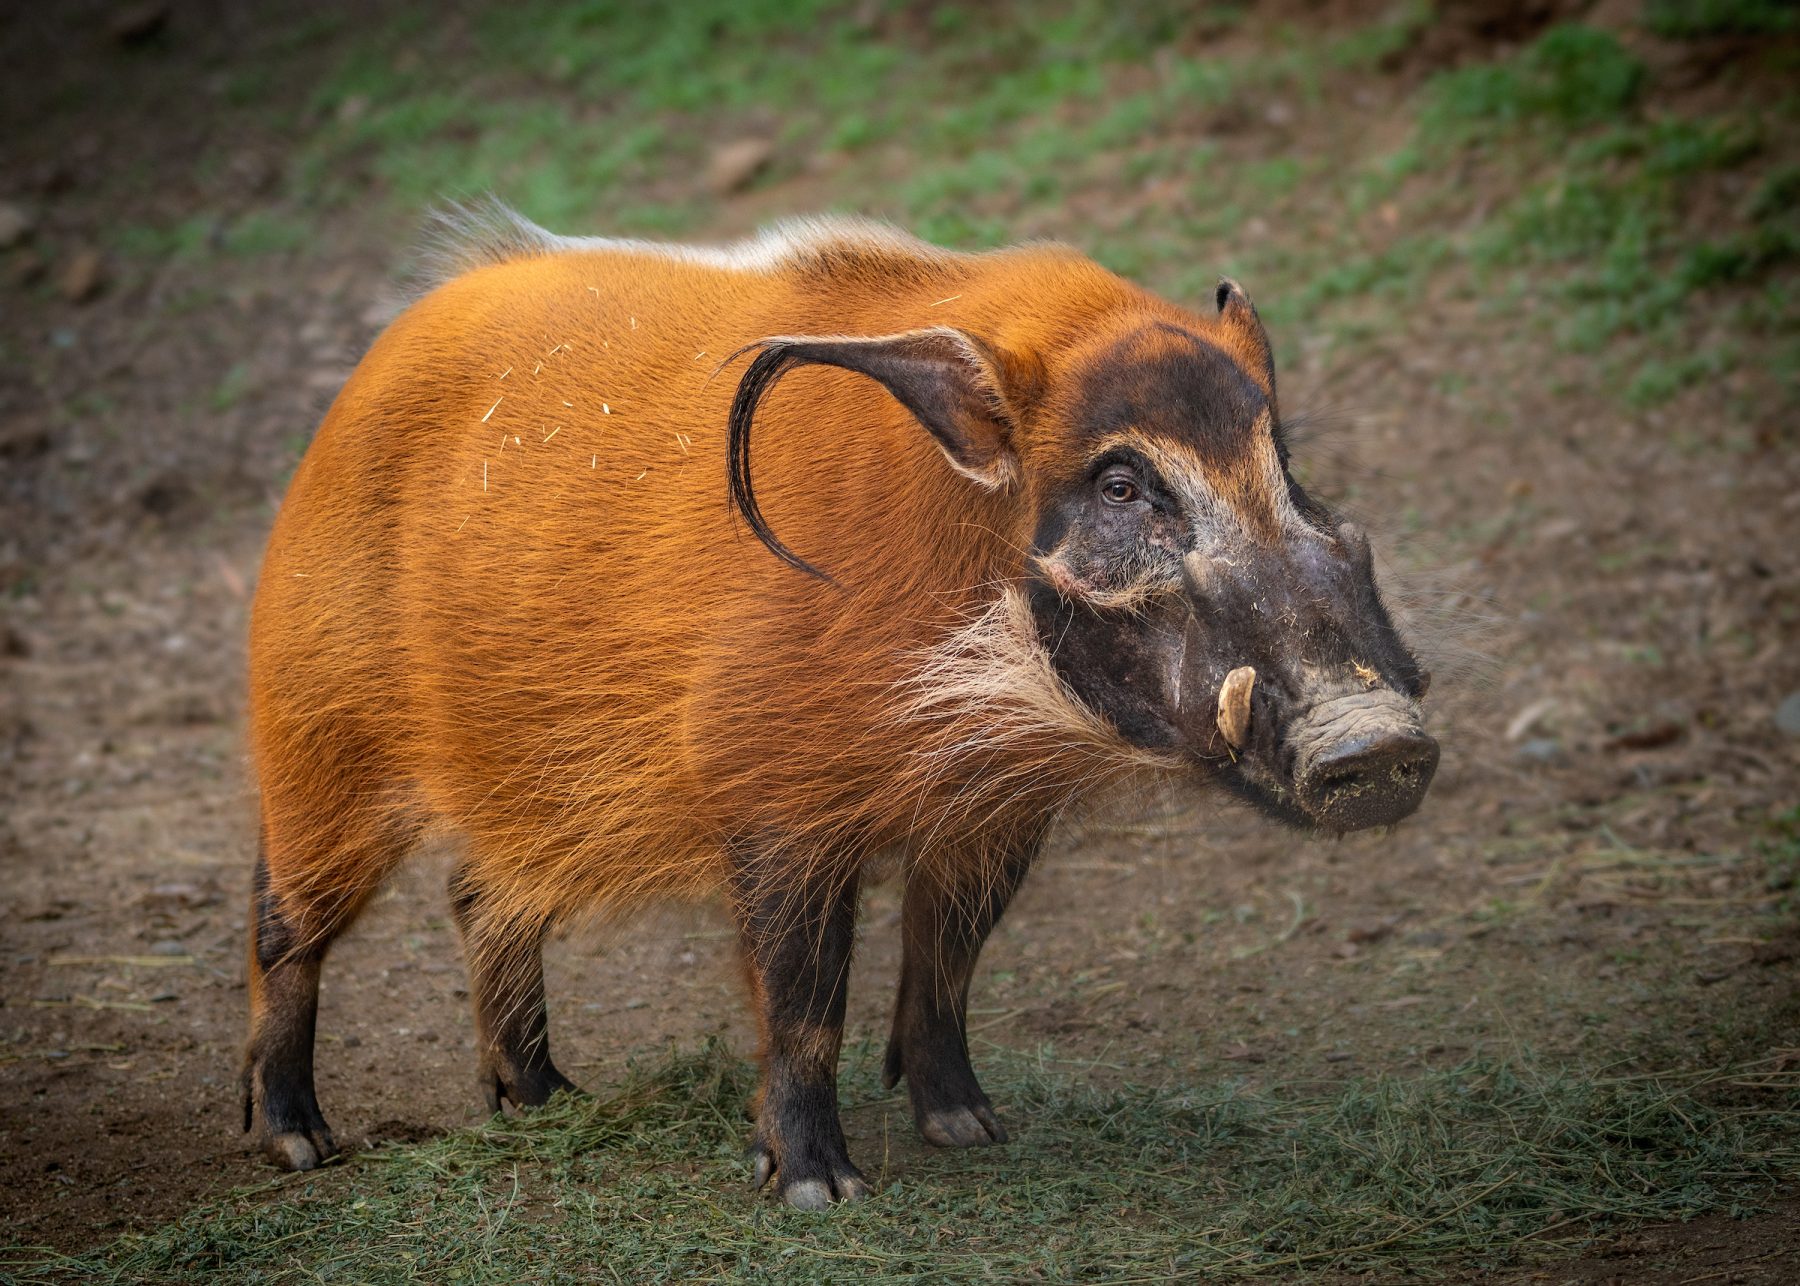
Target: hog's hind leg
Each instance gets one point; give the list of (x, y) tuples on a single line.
[(290, 933), (946, 916), (506, 985), (797, 929)]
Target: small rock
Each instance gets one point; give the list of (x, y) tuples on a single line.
[(1524, 723), (352, 109), (1339, 1056), (735, 165), (167, 947), (1371, 931), (136, 23), (257, 173), (866, 17), (165, 497), (1787, 714), (23, 441), (54, 177), (167, 899), (190, 708), (1652, 736), (82, 277), (16, 224), (26, 268), (1541, 750)]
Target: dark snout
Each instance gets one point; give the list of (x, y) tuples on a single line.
[(1361, 760)]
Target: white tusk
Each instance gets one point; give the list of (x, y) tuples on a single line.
[(1234, 706)]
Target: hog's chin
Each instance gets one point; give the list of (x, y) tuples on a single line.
[(1279, 802), (1271, 799)]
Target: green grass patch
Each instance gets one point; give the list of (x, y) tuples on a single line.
[(1482, 1165), (584, 114), (259, 232), (231, 389), (576, 107), (1553, 181), (1602, 233), (1687, 19), (1366, 48), (1781, 852), (1571, 76)]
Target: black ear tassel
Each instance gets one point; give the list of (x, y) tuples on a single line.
[(774, 361)]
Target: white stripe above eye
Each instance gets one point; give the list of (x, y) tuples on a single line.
[(1213, 518)]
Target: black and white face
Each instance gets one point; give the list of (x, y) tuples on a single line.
[(1190, 591)]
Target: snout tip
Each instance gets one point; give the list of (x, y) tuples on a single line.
[(1374, 780)]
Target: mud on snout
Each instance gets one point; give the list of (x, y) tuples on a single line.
[(1347, 761), (1360, 759)]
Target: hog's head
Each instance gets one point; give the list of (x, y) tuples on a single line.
[(1182, 582), (1190, 589)]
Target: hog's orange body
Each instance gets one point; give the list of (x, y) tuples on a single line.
[(524, 588)]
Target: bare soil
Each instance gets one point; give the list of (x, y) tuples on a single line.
[(1585, 887)]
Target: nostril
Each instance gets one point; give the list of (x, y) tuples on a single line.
[(1369, 780), (1410, 769), (1375, 755)]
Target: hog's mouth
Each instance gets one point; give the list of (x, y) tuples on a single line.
[(1346, 762)]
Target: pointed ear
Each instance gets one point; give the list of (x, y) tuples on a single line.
[(951, 382), (1239, 316), (964, 393)]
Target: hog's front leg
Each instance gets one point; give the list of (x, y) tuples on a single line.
[(797, 924), (951, 905), (506, 984)]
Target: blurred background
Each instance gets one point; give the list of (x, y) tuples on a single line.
[(1530, 271)]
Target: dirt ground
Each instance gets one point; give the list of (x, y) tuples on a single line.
[(1585, 880)]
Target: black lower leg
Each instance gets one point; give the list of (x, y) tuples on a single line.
[(278, 1065), (506, 983), (946, 918), (797, 933)]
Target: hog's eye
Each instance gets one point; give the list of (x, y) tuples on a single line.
[(1119, 488)]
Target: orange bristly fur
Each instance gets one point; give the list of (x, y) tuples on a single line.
[(506, 593)]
